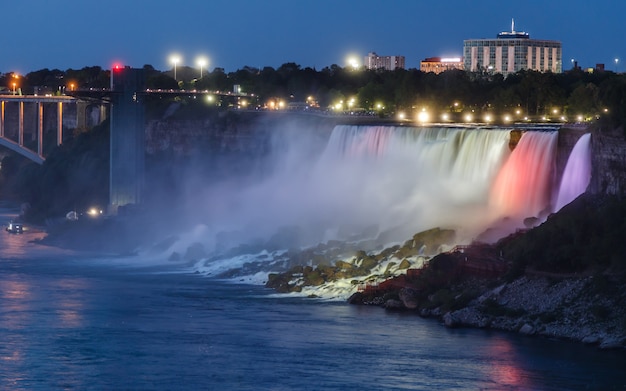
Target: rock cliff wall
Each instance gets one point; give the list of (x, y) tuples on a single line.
[(608, 163)]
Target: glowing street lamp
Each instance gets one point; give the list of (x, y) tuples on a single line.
[(616, 62), (353, 62), (175, 60), (202, 62), (423, 116)]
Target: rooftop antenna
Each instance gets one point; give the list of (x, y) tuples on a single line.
[(512, 25)]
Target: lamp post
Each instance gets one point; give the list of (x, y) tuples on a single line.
[(175, 60), (616, 62), (202, 62)]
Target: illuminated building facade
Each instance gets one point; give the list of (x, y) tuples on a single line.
[(389, 63), (438, 64), (511, 52)]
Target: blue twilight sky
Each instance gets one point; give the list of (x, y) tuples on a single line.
[(66, 34)]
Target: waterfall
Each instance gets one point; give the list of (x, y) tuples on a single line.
[(415, 178), (396, 179), (524, 184), (577, 172)]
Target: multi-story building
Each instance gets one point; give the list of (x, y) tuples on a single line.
[(511, 52), (390, 63), (438, 64)]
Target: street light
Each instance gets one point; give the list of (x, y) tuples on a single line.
[(202, 62), (175, 60), (616, 62)]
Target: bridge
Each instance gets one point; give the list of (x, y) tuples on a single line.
[(125, 104), (12, 137)]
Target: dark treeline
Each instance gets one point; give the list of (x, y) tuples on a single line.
[(574, 94)]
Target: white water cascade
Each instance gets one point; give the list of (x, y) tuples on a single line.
[(577, 174)]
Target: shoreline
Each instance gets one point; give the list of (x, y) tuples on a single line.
[(569, 308)]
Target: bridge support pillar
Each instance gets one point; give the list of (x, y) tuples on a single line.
[(20, 131), (40, 128), (127, 138), (2, 119), (59, 123)]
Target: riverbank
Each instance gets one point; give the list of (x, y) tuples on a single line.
[(588, 309)]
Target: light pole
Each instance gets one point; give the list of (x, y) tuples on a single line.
[(202, 62), (175, 60), (616, 62)]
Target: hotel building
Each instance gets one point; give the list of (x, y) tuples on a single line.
[(389, 63), (438, 64), (511, 52)]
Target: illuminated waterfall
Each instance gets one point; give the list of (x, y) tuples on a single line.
[(577, 172), (524, 184), (405, 179), (416, 178)]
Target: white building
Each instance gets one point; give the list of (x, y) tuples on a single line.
[(511, 52), (390, 63)]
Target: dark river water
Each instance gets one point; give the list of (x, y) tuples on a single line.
[(78, 322)]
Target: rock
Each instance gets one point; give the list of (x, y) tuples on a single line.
[(527, 329), (450, 320), (405, 264), (356, 298), (407, 296), (393, 304), (591, 339), (611, 343)]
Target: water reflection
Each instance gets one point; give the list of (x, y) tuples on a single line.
[(505, 370), (70, 304)]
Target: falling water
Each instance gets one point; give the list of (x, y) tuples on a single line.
[(389, 183), (416, 178), (523, 185), (577, 172)]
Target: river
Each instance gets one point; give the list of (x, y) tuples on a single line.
[(72, 321)]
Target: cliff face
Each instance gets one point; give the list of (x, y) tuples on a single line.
[(608, 163)]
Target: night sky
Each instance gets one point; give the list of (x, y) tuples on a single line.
[(66, 34)]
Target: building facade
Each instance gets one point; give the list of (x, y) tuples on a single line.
[(437, 64), (389, 63), (511, 52)]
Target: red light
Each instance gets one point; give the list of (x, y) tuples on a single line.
[(117, 67)]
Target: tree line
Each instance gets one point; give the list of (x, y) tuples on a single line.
[(574, 94)]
